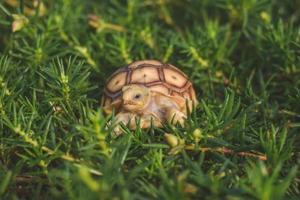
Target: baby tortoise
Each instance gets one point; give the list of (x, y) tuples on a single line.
[(150, 91)]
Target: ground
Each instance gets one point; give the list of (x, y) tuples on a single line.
[(243, 57)]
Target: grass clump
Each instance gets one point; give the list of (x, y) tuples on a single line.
[(242, 56)]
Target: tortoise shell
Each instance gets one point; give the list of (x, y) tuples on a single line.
[(159, 77)]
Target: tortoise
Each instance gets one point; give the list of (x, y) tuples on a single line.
[(148, 90)]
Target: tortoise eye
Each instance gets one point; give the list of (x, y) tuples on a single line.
[(137, 96)]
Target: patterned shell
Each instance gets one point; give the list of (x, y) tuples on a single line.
[(157, 76)]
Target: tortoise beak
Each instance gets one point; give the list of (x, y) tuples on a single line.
[(128, 102)]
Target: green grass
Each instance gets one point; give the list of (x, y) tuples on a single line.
[(243, 57)]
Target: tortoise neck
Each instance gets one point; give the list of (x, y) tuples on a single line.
[(147, 103)]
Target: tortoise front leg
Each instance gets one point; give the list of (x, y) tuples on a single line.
[(149, 119), (175, 116), (130, 119), (126, 118)]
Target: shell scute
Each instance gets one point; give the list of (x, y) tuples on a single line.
[(174, 78), (116, 82), (145, 75)]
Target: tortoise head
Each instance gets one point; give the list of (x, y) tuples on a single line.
[(135, 97)]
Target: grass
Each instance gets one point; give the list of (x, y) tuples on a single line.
[(243, 57)]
